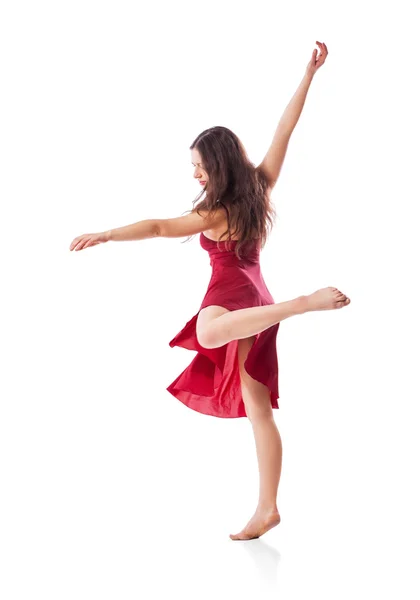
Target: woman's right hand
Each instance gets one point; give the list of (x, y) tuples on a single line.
[(89, 239), (317, 60)]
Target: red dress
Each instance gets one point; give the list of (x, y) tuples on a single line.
[(211, 383)]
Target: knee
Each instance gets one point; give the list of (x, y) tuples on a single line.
[(258, 406), (259, 414), (206, 338)]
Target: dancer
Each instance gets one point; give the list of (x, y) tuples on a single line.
[(235, 371)]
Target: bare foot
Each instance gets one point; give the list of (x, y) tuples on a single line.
[(259, 524), (326, 299)]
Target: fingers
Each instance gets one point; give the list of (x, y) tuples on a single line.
[(318, 60), (75, 244), (85, 241), (81, 243), (324, 50)]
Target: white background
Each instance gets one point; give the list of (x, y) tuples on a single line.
[(110, 487)]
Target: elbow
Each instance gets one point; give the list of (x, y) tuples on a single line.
[(157, 229)]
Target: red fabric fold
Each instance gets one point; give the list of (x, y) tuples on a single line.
[(211, 384)]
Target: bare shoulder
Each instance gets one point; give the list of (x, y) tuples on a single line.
[(191, 223)]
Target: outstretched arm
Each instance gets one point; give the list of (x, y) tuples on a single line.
[(150, 228), (176, 227), (273, 160), (191, 224)]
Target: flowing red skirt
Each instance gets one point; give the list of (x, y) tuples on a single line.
[(211, 382)]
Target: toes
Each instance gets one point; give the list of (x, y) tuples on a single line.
[(340, 299), (342, 303), (242, 536), (245, 534)]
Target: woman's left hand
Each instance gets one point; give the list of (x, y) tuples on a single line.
[(89, 239), (317, 61)]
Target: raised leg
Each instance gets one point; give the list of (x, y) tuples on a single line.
[(268, 444), (217, 326)]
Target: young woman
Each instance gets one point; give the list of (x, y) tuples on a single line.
[(235, 370)]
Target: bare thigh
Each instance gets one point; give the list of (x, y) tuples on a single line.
[(205, 316), (256, 395)]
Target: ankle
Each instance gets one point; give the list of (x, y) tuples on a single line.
[(264, 508), (302, 305)]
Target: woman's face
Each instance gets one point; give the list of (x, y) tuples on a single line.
[(199, 172)]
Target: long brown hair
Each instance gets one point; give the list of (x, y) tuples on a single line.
[(234, 183)]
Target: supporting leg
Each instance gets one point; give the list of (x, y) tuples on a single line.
[(269, 449)]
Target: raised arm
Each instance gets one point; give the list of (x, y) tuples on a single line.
[(273, 160)]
